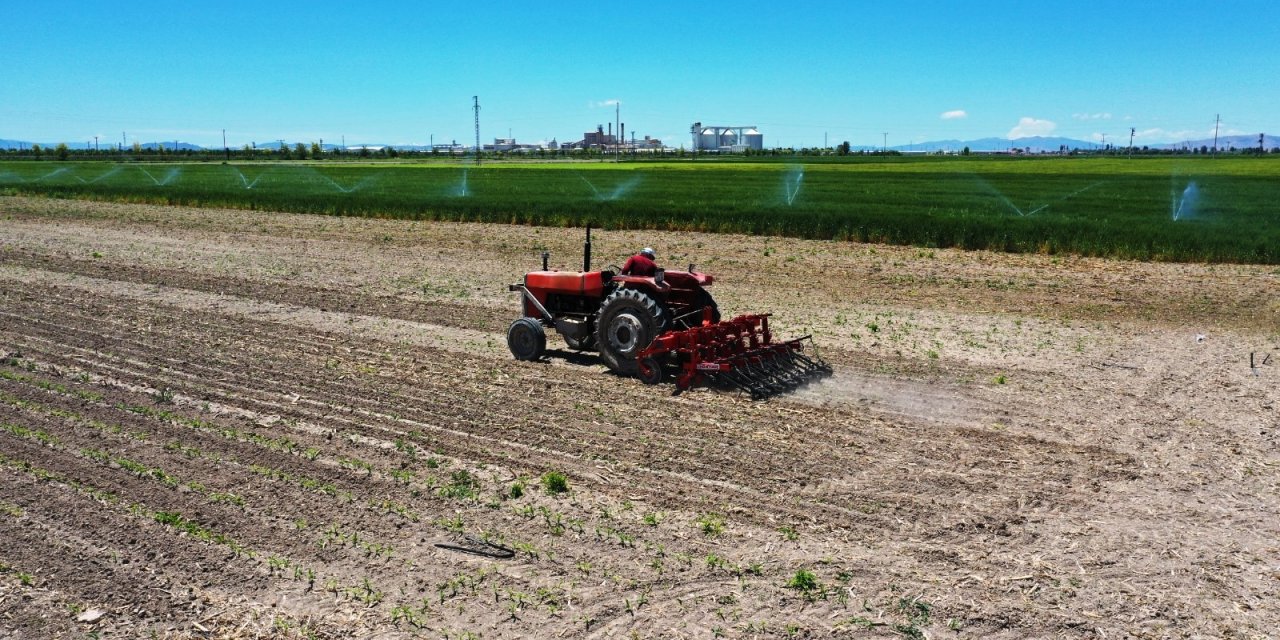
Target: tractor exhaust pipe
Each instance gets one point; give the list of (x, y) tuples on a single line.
[(586, 251)]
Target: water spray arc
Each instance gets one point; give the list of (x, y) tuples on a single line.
[(355, 187), (245, 181), (619, 191), (51, 174), (462, 191), (1186, 204), (791, 182)]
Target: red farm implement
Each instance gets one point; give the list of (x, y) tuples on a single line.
[(649, 326), (739, 352)]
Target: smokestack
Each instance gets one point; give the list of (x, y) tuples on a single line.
[(622, 135), (610, 128)]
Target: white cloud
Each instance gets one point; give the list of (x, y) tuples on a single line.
[(603, 103), (1028, 127), (1091, 116), (955, 115)]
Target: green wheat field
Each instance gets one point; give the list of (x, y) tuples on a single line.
[(1165, 208)]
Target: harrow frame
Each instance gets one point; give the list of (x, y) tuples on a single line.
[(740, 352)]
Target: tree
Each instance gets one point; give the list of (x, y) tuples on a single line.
[(137, 147), (964, 151), (61, 150), (300, 150), (316, 151), (843, 148)]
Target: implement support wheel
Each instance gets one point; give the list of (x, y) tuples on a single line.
[(649, 371)]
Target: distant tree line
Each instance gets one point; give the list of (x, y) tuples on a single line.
[(314, 151)]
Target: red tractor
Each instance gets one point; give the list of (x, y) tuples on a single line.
[(645, 325)]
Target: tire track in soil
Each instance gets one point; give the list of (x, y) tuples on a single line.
[(940, 486), (354, 517), (445, 314), (181, 560), (276, 406), (224, 477), (517, 583), (897, 498), (807, 511)]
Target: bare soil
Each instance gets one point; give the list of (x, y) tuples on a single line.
[(235, 424)]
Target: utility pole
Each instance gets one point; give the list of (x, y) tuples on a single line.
[(1261, 147), (617, 126), (95, 144), (1217, 119), (475, 103), (1104, 143), (886, 142), (1131, 131), (226, 152)]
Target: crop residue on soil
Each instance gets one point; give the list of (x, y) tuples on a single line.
[(245, 424)]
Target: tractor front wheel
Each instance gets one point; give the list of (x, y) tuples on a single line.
[(628, 321), (526, 339)]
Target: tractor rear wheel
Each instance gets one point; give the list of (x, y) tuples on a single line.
[(628, 321), (526, 339)]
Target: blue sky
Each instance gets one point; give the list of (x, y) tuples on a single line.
[(400, 72)]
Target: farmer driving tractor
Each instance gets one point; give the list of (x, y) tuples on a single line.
[(641, 264)]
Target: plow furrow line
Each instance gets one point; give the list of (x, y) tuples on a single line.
[(677, 481), (245, 392)]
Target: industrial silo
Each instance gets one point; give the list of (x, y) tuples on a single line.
[(708, 139), (753, 140)]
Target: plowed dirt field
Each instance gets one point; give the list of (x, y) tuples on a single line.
[(234, 424)]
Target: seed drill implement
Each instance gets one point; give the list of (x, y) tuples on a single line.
[(657, 326)]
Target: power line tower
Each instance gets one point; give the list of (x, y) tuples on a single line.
[(475, 104), (1216, 120), (1131, 131)]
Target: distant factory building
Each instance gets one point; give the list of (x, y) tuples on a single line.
[(726, 139), (605, 140), (598, 139)]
